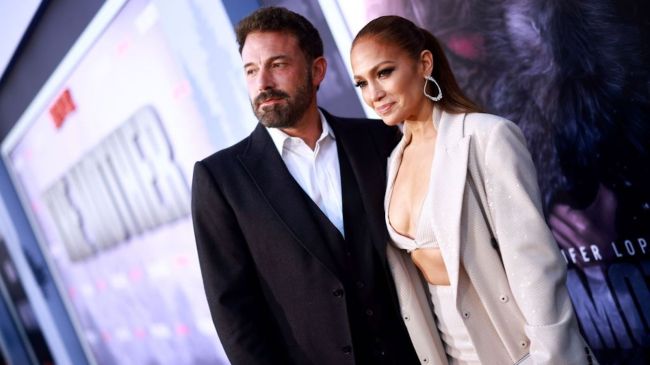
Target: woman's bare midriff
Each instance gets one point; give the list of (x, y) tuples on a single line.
[(431, 265)]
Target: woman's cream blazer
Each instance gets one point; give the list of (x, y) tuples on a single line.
[(510, 293)]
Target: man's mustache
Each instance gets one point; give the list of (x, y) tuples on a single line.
[(270, 94)]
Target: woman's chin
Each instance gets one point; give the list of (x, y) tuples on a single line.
[(391, 122)]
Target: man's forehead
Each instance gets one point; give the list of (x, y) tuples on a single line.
[(268, 42)]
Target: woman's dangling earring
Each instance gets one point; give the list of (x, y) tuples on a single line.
[(434, 98)]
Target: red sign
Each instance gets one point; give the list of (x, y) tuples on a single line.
[(63, 106)]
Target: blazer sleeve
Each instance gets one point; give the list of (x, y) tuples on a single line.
[(531, 258), (237, 305)]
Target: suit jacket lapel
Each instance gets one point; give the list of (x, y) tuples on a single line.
[(265, 166), (448, 186), (370, 174)]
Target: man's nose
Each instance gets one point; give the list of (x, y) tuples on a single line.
[(264, 80)]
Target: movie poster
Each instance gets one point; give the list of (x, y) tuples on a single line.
[(574, 76), (103, 161)]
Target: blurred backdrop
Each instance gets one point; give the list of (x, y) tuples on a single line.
[(105, 106)]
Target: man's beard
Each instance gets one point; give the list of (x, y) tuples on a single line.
[(281, 115)]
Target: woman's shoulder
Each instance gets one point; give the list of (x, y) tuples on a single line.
[(481, 121), (485, 124)]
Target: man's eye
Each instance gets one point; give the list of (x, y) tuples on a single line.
[(250, 72), (278, 65)]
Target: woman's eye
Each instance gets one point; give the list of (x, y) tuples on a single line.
[(360, 84), (385, 72)]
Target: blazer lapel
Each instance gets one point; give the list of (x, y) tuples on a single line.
[(285, 196), (370, 174), (448, 186)]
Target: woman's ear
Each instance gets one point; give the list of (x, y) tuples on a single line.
[(426, 62)]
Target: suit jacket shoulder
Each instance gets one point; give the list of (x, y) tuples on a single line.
[(224, 165), (384, 137), (228, 154), (484, 128), (481, 124)]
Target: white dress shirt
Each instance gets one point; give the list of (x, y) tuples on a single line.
[(316, 171)]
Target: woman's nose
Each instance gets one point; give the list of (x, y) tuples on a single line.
[(377, 93)]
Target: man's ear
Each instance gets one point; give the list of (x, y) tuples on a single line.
[(318, 70)]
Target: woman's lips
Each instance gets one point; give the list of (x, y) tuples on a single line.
[(384, 109)]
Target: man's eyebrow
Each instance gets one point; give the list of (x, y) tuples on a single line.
[(270, 60), (281, 57)]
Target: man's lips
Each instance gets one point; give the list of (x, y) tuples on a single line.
[(270, 101), (385, 108), (269, 97)]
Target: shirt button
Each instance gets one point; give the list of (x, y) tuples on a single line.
[(347, 350), (360, 284), (523, 343), (369, 312), (503, 298), (338, 292), (466, 315)]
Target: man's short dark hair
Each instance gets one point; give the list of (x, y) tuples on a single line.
[(277, 19)]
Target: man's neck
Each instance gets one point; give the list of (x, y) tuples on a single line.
[(308, 128)]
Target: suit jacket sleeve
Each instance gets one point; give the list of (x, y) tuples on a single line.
[(237, 304), (531, 258)]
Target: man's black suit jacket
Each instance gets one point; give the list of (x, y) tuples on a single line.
[(269, 280)]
